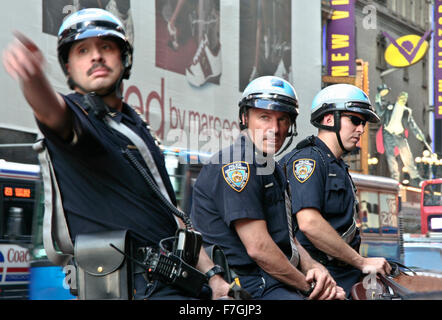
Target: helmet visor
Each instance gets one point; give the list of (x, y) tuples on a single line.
[(98, 33), (362, 108), (271, 102), (90, 29)]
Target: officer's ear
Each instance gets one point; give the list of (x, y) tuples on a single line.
[(328, 120), (245, 117)]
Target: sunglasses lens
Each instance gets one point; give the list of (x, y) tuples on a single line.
[(356, 120)]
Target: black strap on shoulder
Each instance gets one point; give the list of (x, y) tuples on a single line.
[(309, 141), (301, 145)]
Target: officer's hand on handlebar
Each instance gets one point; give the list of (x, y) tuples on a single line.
[(325, 285), (378, 265)]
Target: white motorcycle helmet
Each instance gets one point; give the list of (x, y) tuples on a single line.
[(271, 93), (91, 23), (341, 98)]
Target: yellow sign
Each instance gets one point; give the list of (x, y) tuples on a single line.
[(406, 50)]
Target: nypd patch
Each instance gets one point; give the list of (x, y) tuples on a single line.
[(236, 175), (303, 169)]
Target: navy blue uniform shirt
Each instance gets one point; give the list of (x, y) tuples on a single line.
[(231, 187), (318, 180), (100, 188)]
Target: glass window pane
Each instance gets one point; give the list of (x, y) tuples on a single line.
[(388, 213), (369, 212)]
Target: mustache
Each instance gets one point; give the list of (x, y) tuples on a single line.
[(98, 65)]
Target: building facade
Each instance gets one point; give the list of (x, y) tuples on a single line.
[(377, 24)]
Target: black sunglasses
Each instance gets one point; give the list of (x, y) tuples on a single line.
[(355, 120)]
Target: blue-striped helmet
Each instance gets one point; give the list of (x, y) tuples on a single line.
[(91, 23), (271, 93), (341, 97)]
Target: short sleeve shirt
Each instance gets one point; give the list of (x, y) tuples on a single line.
[(230, 188), (318, 180)]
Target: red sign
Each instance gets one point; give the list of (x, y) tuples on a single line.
[(17, 192)]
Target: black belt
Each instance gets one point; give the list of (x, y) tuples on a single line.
[(246, 270)]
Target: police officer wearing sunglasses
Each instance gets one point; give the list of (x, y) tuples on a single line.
[(322, 191)]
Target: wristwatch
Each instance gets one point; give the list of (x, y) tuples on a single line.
[(309, 292), (214, 271)]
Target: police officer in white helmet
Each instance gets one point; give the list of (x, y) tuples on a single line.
[(101, 187), (323, 193)]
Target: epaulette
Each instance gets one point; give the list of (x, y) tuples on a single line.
[(309, 141)]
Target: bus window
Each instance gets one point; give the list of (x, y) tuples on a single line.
[(368, 211), (388, 213), (432, 195), (378, 216), (183, 167), (17, 210), (175, 171)]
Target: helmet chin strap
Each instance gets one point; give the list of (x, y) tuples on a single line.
[(337, 129)]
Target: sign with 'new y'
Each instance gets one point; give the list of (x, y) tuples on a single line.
[(341, 39)]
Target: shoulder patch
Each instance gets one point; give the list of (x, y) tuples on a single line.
[(303, 169), (236, 175)]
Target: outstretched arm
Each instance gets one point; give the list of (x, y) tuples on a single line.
[(24, 61)]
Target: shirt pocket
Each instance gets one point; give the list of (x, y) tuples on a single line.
[(335, 195)]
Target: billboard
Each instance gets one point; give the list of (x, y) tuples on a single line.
[(192, 59)]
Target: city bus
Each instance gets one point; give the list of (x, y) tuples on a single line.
[(423, 248), (25, 271), (378, 217), (431, 207), (20, 186)]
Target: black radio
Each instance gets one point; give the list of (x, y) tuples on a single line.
[(173, 267), (170, 269)]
